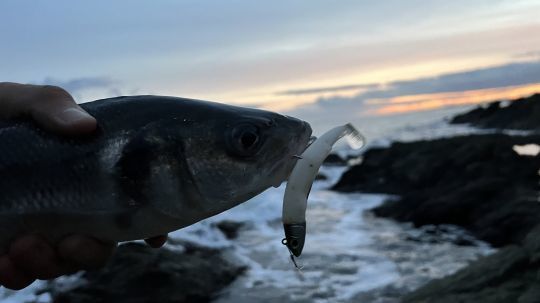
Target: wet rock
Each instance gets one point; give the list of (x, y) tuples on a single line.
[(334, 160), (519, 114), (387, 294), (263, 294), (477, 182), (531, 295), (138, 274), (510, 275), (442, 234), (229, 228), (321, 177)]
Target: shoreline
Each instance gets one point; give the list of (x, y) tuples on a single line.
[(478, 182)]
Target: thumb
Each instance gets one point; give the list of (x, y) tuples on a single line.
[(51, 107), (67, 119), (54, 109)]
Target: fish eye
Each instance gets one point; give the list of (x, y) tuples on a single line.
[(245, 140), (248, 139)]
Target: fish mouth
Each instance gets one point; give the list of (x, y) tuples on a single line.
[(300, 143), (305, 139), (311, 140), (299, 155)]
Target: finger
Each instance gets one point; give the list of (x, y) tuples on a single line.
[(36, 258), (11, 277), (157, 241), (65, 120), (54, 109), (87, 253)]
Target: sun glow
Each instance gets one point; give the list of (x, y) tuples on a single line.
[(422, 102)]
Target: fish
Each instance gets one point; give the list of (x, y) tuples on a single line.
[(155, 164)]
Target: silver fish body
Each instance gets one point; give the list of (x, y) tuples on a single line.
[(155, 164)]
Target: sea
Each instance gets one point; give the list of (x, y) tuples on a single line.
[(349, 256)]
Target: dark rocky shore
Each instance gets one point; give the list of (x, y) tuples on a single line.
[(521, 114), (510, 275), (140, 274), (334, 160), (478, 182)]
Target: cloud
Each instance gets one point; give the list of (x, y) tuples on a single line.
[(474, 86), (534, 54), (79, 84), (327, 89), (512, 74), (491, 77), (222, 48), (85, 89)]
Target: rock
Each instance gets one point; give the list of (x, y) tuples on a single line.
[(477, 182), (532, 244), (387, 294), (334, 160), (520, 114), (321, 177), (531, 295), (442, 234), (229, 228), (138, 274), (510, 275)]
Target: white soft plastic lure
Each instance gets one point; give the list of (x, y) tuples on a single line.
[(301, 180)]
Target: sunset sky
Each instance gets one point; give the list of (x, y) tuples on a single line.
[(355, 57)]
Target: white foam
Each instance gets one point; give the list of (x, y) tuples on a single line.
[(25, 295), (527, 150)]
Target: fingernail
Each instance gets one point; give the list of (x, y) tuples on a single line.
[(72, 116)]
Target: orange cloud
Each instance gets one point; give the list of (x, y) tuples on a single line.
[(422, 102)]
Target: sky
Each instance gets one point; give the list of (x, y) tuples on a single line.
[(305, 57)]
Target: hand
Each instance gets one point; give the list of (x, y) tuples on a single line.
[(31, 257)]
